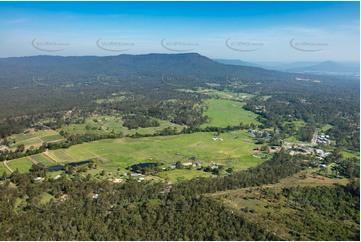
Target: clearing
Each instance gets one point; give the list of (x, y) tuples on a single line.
[(226, 112)]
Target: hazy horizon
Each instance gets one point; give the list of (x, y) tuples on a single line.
[(214, 59), (247, 31)]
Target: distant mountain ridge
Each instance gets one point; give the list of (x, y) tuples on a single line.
[(300, 66), (327, 66), (151, 66)]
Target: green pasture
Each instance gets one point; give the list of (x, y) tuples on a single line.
[(42, 158), (350, 154), (35, 139), (176, 174), (326, 127), (22, 164), (225, 112), (234, 151), (107, 124), (3, 169)]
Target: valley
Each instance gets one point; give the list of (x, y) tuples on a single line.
[(245, 146)]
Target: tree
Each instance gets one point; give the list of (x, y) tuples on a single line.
[(179, 165)]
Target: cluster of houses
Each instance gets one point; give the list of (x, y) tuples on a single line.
[(305, 149), (38, 179), (184, 164), (137, 176), (323, 139), (215, 166)]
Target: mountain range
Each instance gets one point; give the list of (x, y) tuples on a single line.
[(326, 67), (148, 66)]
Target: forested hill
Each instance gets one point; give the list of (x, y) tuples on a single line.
[(139, 66)]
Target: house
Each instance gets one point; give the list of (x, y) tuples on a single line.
[(95, 196), (187, 164), (57, 177), (199, 163), (216, 138), (37, 179), (172, 167), (141, 179), (319, 152)]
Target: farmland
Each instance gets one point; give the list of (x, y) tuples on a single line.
[(107, 124), (235, 151), (34, 138), (22, 165)]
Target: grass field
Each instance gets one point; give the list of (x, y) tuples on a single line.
[(234, 151), (175, 175), (35, 138), (106, 124), (3, 169), (22, 164), (350, 154), (42, 158), (326, 127), (45, 197), (225, 112)]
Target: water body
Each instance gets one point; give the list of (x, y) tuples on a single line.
[(74, 164), (143, 165), (55, 168), (79, 163)]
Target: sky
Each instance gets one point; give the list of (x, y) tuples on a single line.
[(249, 31)]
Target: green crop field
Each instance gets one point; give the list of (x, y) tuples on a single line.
[(42, 158), (35, 139), (22, 164), (52, 138), (225, 112), (62, 156)]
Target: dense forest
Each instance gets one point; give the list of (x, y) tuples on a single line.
[(157, 211), (150, 211)]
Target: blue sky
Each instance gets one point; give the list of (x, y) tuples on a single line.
[(250, 31)]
